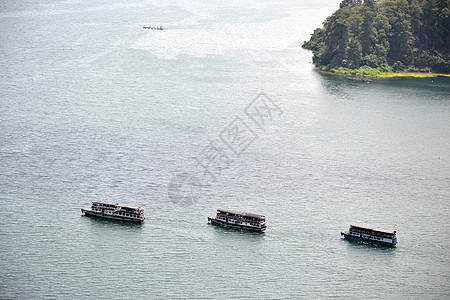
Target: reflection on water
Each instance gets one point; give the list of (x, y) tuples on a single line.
[(362, 245), (109, 223), (235, 231)]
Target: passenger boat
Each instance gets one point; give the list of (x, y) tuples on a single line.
[(236, 219), (155, 28), (115, 211), (371, 235)]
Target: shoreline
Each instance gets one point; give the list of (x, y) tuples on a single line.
[(383, 75), (410, 74)]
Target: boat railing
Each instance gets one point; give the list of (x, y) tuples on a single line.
[(373, 233)]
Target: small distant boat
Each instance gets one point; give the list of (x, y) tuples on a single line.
[(115, 211), (371, 235), (237, 219), (154, 28), (362, 79)]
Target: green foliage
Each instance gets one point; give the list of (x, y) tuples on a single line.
[(398, 66), (336, 38), (354, 54), (390, 35), (371, 60), (362, 71), (349, 3)]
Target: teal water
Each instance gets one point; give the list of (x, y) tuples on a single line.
[(93, 107)]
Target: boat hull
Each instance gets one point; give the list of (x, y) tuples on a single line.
[(91, 213), (232, 225), (368, 241)]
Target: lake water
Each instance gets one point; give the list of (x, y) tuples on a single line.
[(94, 107)]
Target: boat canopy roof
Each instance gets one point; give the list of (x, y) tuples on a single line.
[(117, 204), (244, 214), (373, 228)]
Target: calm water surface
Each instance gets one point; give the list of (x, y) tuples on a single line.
[(93, 107)]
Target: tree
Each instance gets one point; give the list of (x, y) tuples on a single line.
[(350, 3), (415, 11), (442, 24), (354, 54), (400, 39), (383, 29), (370, 3), (337, 39), (367, 36), (399, 34)]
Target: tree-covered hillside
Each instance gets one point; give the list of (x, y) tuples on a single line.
[(387, 35)]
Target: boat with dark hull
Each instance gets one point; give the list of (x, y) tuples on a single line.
[(115, 211), (237, 219), (154, 28), (371, 235)]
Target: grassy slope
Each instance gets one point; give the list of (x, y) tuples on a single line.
[(376, 73)]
